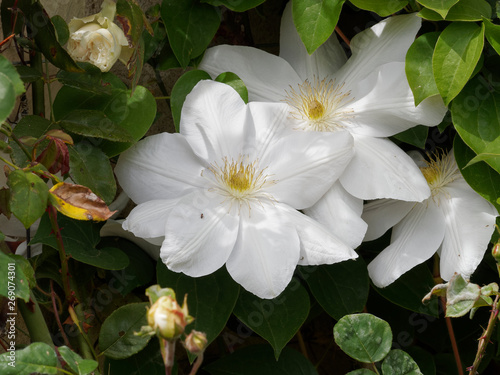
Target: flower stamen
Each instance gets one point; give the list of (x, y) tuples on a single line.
[(322, 105), (440, 170)]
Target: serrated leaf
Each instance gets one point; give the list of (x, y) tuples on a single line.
[(36, 358), (61, 28), (10, 71), (28, 74), (80, 239), (480, 176), (92, 123), (90, 167), (381, 7), (418, 67), (29, 126), (398, 362), (315, 20), (361, 371), (277, 320), (460, 296), (181, 89), (440, 6), (235, 82), (190, 27), (13, 281), (91, 79), (76, 363), (341, 288), (236, 6), (211, 298), (29, 194), (7, 97), (259, 359), (464, 10), (117, 339), (456, 54), (363, 337)]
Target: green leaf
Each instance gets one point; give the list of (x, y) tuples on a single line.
[(475, 113), (480, 176), (140, 270), (381, 7), (79, 240), (492, 33), (147, 362), (31, 126), (361, 371), (117, 339), (7, 97), (13, 281), (10, 71), (423, 358), (211, 298), (28, 198), (235, 82), (76, 363), (181, 89), (457, 52), (91, 79), (45, 37), (363, 337), (28, 74), (153, 44), (440, 6), (408, 290), (92, 123), (130, 15), (134, 113), (418, 67), (276, 320), (36, 358), (61, 28), (236, 6), (464, 10), (398, 362), (341, 288), (416, 136), (190, 27), (460, 296), (315, 20), (259, 359), (90, 167)]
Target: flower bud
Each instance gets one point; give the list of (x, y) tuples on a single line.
[(496, 252), (167, 318), (195, 342), (96, 39)]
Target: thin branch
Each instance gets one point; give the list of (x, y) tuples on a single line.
[(56, 314)]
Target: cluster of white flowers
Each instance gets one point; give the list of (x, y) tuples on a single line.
[(229, 187)]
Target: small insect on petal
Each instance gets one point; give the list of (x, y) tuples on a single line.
[(79, 202)]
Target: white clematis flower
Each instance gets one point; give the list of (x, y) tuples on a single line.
[(226, 190), (367, 95), (455, 221)]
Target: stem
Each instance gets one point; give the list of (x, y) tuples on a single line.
[(33, 317), (453, 340), (485, 338), (302, 344), (20, 144), (84, 343), (9, 163), (162, 97), (197, 364), (56, 314), (48, 89), (167, 352), (162, 87), (62, 254), (37, 86), (342, 35)]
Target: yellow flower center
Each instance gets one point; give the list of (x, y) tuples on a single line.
[(440, 170), (241, 182), (323, 105)]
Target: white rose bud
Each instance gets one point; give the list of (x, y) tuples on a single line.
[(97, 40), (167, 318)]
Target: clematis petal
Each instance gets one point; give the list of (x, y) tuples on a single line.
[(470, 222), (387, 41), (388, 108), (199, 235), (380, 169), (382, 214), (327, 59), (301, 157), (266, 76), (215, 121), (266, 251), (340, 212), (414, 240), (318, 245), (148, 219), (162, 166)]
